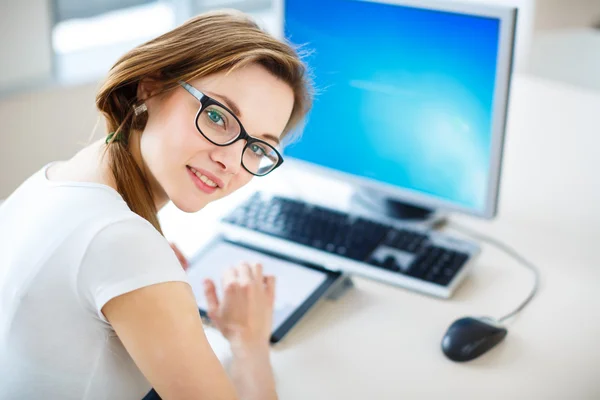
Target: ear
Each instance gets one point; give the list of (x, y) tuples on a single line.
[(148, 87)]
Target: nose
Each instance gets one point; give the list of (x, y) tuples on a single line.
[(229, 158)]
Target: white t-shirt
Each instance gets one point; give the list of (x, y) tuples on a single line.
[(66, 249)]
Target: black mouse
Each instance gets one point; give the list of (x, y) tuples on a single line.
[(468, 338)]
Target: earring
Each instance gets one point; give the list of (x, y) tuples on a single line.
[(140, 109)]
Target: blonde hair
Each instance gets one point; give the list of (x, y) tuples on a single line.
[(207, 44)]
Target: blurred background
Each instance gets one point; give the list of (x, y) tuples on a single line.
[(55, 54)]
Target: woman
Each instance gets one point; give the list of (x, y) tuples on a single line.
[(94, 303)]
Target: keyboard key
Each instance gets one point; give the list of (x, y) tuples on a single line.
[(356, 254), (430, 276), (443, 279), (389, 262)]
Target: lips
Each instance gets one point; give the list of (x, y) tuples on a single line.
[(202, 180), (210, 176)]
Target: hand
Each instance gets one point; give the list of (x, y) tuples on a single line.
[(245, 313), (180, 256)]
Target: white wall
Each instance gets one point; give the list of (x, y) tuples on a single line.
[(564, 14), (566, 42), (40, 122), (25, 42), (42, 126)]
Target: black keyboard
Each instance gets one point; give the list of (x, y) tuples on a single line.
[(401, 251)]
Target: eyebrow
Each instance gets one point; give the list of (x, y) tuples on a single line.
[(274, 138), (236, 110), (228, 102)]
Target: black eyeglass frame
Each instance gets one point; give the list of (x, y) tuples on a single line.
[(206, 101)]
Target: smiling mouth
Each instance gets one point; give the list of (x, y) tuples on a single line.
[(201, 181), (205, 179)]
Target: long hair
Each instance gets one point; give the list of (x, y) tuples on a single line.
[(207, 44)]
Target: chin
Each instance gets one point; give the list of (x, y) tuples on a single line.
[(188, 206)]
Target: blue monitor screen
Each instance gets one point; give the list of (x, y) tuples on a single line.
[(404, 95)]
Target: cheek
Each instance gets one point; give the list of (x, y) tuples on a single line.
[(178, 135), (171, 143), (239, 180), (167, 146)]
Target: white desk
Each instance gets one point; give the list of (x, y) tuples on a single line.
[(381, 342)]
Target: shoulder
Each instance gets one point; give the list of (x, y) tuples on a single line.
[(129, 235), (123, 256)]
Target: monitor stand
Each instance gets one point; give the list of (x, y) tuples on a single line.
[(371, 201)]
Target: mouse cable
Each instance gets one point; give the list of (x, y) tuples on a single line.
[(511, 252)]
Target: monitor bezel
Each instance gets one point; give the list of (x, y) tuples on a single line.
[(507, 17)]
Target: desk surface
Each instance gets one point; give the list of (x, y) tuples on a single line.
[(381, 342)]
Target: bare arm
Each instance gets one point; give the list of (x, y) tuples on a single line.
[(259, 384), (160, 327)]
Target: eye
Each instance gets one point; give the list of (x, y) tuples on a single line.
[(216, 117), (258, 150)]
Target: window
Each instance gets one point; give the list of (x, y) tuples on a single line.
[(88, 37)]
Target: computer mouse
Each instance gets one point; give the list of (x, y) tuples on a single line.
[(468, 338)]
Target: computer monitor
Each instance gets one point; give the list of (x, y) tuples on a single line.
[(411, 98)]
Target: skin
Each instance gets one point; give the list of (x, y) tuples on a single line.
[(159, 325)]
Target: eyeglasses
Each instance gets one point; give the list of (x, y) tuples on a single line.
[(221, 127)]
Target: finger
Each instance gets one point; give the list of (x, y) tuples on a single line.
[(230, 284), (182, 260), (257, 272), (270, 283), (245, 273), (229, 276), (212, 300)]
